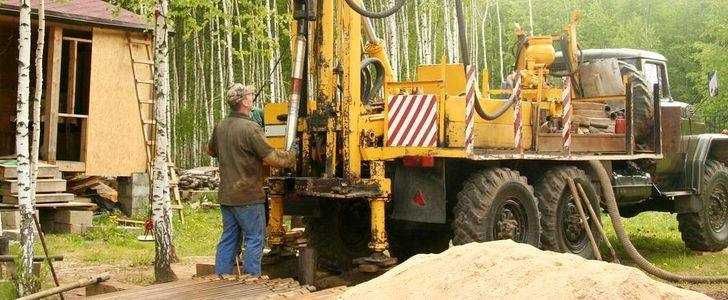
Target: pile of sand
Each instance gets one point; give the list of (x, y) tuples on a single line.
[(505, 269)]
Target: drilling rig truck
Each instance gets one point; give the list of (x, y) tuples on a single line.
[(388, 168)]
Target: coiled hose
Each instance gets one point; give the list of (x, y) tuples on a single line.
[(375, 15), (371, 86), (613, 210)]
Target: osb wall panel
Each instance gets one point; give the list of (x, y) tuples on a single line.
[(8, 86), (115, 144)]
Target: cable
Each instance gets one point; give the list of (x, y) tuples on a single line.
[(466, 61), (643, 263), (371, 85), (375, 15)]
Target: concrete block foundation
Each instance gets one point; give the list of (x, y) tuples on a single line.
[(134, 194)]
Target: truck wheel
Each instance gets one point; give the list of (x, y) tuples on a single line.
[(642, 103), (340, 234), (496, 204), (562, 229), (707, 229)]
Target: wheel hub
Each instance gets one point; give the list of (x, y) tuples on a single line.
[(573, 227), (718, 209), (511, 221)]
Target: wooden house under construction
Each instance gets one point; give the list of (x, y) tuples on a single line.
[(97, 86)]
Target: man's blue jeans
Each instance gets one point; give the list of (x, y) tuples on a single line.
[(241, 222)]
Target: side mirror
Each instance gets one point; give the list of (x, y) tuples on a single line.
[(713, 83)]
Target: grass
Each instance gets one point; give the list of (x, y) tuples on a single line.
[(657, 238), (108, 244), (7, 290), (654, 234)]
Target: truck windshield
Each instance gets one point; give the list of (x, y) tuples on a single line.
[(654, 73)]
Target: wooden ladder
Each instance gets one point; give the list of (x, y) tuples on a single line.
[(146, 105)]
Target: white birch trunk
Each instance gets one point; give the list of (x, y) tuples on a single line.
[(500, 41), (238, 18), (277, 54), (418, 32), (228, 43), (272, 60), (448, 44), (530, 15), (211, 76), (484, 41), (392, 42), (473, 42), (21, 144), (405, 42), (220, 69), (35, 144), (453, 28), (427, 44), (161, 206), (174, 103)]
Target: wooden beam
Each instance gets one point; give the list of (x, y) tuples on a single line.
[(77, 40), (71, 166), (53, 90), (71, 71), (84, 134), (72, 116)]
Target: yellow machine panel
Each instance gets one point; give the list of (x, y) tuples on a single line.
[(275, 124), (452, 75)]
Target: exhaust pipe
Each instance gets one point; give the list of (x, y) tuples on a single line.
[(295, 101)]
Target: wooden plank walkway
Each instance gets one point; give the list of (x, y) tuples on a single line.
[(215, 288)]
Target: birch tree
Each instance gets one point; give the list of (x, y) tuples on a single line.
[(161, 206), (21, 147), (35, 144), (228, 43), (392, 41)]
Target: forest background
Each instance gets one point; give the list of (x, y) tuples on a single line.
[(216, 42)]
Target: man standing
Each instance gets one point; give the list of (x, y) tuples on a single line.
[(240, 147)]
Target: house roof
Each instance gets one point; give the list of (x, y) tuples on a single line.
[(96, 12)]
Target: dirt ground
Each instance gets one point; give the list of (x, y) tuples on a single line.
[(123, 276)]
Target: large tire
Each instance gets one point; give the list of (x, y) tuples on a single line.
[(707, 229), (561, 226), (340, 234), (496, 204), (643, 105)]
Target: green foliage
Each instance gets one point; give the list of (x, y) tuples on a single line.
[(7, 290), (26, 281), (657, 238), (692, 35)]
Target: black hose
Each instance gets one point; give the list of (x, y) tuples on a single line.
[(466, 62), (645, 265), (375, 15), (371, 86)]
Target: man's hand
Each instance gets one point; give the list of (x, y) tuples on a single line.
[(281, 159), (295, 148)]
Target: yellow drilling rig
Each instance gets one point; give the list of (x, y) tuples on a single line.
[(389, 168)]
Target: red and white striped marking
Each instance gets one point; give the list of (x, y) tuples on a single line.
[(567, 114), (470, 98), (412, 121), (517, 125)]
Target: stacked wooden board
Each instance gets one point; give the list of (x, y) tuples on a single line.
[(58, 210), (212, 287), (51, 187)]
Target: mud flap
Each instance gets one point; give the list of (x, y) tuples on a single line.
[(418, 194)]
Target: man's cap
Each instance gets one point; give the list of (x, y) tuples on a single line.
[(236, 93)]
